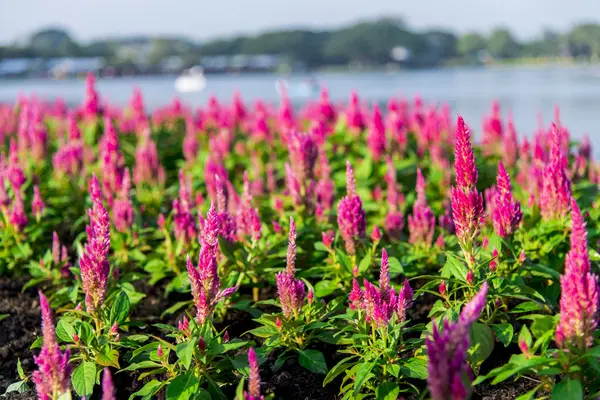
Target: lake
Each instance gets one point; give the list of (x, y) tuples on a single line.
[(525, 91)]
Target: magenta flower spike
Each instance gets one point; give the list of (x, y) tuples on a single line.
[(17, 217), (303, 153), (37, 205), (108, 388), (253, 392), (467, 202), (53, 376), (291, 291), (204, 277), (448, 371), (555, 194), (506, 213), (579, 290), (93, 263), (421, 224), (247, 220), (351, 216), (511, 145), (376, 138), (123, 207)]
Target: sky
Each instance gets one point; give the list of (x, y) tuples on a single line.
[(206, 19)]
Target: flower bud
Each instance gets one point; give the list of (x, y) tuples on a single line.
[(524, 348), (226, 337), (161, 221), (276, 227), (327, 239), (376, 234), (470, 277), (440, 242), (442, 289), (76, 338), (522, 257), (159, 351), (310, 296), (278, 323), (201, 344)]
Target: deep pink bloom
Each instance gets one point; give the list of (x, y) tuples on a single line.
[(511, 145), (376, 138), (375, 234), (380, 304), (90, 101), (351, 216), (555, 194), (213, 169), (355, 119), (69, 157), (507, 211), (447, 350), (122, 211), (303, 153), (421, 224), (108, 388), (291, 291), (204, 277), (247, 220), (17, 217), (253, 392), (53, 376), (147, 165), (93, 263), (579, 290), (13, 171), (467, 202), (327, 239), (37, 205)]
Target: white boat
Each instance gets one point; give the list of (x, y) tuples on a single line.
[(191, 80), (306, 88)]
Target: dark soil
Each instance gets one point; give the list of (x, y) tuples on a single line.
[(20, 329), (17, 331)]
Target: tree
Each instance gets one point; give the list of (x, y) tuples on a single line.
[(501, 44), (470, 44), (53, 42)]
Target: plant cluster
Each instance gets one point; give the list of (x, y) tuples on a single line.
[(281, 239)]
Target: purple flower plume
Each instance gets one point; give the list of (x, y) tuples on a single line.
[(351, 216)]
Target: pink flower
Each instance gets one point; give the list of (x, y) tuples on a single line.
[(556, 187), (303, 153), (253, 392), (579, 290), (351, 216), (467, 202), (93, 263), (507, 211), (247, 221), (511, 145), (90, 101), (421, 224), (291, 291), (122, 207), (17, 217), (447, 350), (204, 277), (108, 389), (376, 138), (53, 376)]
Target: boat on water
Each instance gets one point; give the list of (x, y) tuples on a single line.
[(191, 80), (306, 88)]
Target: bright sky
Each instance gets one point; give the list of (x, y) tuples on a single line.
[(203, 19)]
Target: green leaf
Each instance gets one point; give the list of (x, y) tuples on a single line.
[(362, 375), (108, 358), (84, 378), (528, 306), (567, 389), (525, 336), (541, 325), (340, 367), (320, 246), (185, 352), (182, 387), (504, 333), (149, 390), (120, 309), (223, 348), (387, 391), (17, 387), (313, 360), (325, 288), (415, 368), (264, 331), (141, 365), (395, 266), (365, 263), (20, 369), (482, 340), (65, 331), (454, 267)]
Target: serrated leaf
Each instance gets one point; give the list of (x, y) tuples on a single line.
[(120, 309), (65, 331), (182, 387), (108, 358)]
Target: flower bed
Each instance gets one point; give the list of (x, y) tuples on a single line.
[(253, 252)]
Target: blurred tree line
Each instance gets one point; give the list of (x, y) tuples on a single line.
[(369, 43)]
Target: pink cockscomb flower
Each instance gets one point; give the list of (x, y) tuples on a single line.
[(376, 138), (17, 217), (93, 263), (122, 211), (579, 290), (108, 388), (448, 371), (291, 291), (506, 213), (555, 194), (37, 205), (381, 304), (467, 202), (247, 220), (204, 277), (421, 224), (351, 216), (253, 392), (53, 376)]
